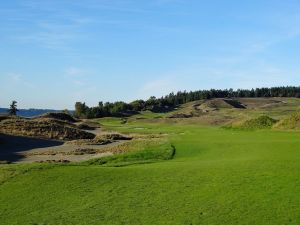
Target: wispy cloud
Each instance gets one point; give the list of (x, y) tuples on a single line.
[(78, 76), (19, 79), (16, 77), (47, 39), (58, 25), (49, 24)]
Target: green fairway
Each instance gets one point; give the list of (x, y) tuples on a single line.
[(217, 176)]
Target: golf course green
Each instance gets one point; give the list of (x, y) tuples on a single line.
[(215, 176)]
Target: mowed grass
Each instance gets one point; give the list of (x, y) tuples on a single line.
[(217, 176)]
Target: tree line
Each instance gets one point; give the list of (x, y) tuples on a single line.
[(172, 100)]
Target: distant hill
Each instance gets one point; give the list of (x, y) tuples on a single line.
[(30, 112)]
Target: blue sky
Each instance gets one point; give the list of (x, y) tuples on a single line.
[(56, 52)]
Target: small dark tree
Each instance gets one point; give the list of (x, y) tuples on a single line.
[(13, 108)]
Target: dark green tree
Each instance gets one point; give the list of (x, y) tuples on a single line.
[(13, 108), (80, 110), (137, 105)]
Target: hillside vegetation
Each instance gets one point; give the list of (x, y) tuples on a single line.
[(292, 122), (218, 112), (171, 101), (261, 122), (43, 127)]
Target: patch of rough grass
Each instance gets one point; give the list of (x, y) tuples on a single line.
[(261, 122), (8, 172), (291, 122), (137, 152)]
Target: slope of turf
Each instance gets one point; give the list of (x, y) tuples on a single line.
[(217, 177)]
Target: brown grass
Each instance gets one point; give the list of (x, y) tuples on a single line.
[(43, 128)]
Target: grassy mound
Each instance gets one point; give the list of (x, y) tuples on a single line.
[(292, 122), (59, 116), (44, 128), (262, 122), (136, 153)]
